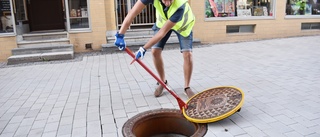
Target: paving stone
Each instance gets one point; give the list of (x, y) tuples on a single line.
[(94, 129), (54, 118), (11, 128), (7, 135), (79, 132), (109, 128), (110, 135), (68, 135), (3, 123), (23, 131), (64, 130), (305, 122), (39, 124), (313, 135), (49, 134), (27, 122), (284, 119), (232, 128), (82, 122), (253, 131), (273, 133), (282, 128), (32, 113), (35, 132), (301, 129), (293, 134), (6, 116), (66, 120), (51, 127), (16, 119)]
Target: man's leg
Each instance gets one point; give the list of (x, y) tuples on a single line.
[(158, 62), (187, 68), (186, 49)]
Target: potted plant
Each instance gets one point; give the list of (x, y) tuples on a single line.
[(208, 11), (302, 6)]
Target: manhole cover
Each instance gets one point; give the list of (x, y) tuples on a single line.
[(214, 104)]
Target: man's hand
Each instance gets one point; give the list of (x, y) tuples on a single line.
[(140, 53), (119, 42)]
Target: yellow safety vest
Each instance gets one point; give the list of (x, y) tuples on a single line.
[(185, 25)]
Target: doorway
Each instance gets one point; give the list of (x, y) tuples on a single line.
[(143, 20), (45, 15)]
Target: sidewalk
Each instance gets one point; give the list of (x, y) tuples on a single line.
[(95, 96)]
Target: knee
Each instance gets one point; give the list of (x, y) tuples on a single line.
[(187, 55), (156, 53)]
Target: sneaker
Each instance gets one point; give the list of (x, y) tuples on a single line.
[(159, 90), (188, 92)]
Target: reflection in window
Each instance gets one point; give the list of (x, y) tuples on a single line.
[(6, 20), (78, 13), (238, 8), (303, 7)]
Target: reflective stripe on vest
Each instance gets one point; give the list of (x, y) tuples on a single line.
[(185, 25)]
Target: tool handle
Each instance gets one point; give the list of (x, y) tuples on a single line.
[(180, 101)]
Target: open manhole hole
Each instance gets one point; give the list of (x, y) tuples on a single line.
[(162, 123)]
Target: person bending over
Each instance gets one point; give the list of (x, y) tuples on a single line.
[(172, 16)]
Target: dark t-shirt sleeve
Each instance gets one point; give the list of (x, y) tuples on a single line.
[(177, 16), (146, 2)]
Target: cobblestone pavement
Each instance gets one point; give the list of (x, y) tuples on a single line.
[(95, 95)]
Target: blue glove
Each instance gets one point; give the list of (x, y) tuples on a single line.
[(140, 53), (119, 42)]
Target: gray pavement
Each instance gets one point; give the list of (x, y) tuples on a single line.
[(94, 96)]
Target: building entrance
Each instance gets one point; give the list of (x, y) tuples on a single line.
[(45, 15)]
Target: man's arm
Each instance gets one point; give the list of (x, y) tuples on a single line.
[(162, 32), (137, 8), (176, 17), (155, 39)]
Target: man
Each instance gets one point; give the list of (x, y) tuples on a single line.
[(172, 15)]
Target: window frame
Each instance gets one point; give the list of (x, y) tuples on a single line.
[(77, 30), (300, 16), (236, 18), (14, 32)]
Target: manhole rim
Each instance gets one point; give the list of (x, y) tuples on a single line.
[(127, 128)]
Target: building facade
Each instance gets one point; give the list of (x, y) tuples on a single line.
[(88, 22)]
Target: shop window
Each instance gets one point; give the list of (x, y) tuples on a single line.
[(303, 7), (240, 29), (78, 14), (238, 8), (309, 26), (6, 18)]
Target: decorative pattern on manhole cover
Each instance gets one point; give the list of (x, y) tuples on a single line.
[(214, 102)]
